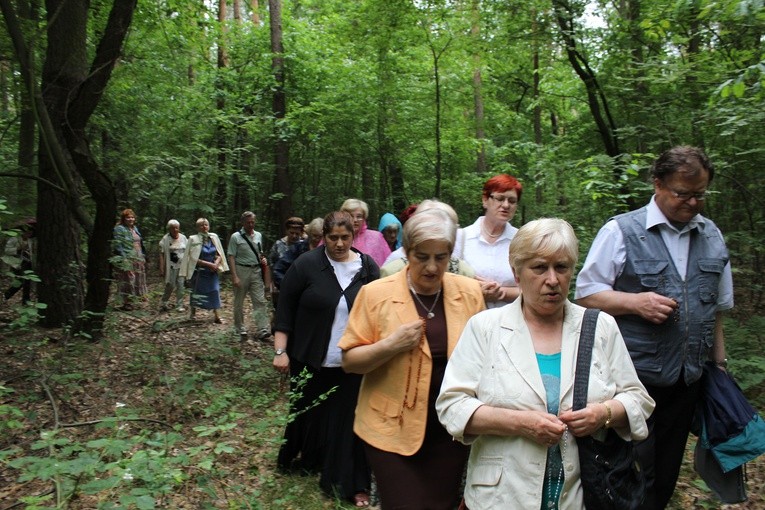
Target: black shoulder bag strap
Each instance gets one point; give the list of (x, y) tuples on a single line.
[(584, 358), (257, 254), (609, 468)]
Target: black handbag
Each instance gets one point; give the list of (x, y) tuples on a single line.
[(610, 472)]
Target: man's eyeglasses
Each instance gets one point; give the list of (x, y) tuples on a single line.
[(687, 195), (502, 199)]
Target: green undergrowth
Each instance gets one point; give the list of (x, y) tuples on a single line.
[(168, 419), (175, 414)]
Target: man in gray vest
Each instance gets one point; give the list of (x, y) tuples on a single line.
[(663, 272), (246, 260)]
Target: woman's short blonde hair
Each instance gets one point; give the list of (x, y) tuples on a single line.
[(432, 203), (429, 225), (352, 204), (199, 222), (544, 238), (315, 226)]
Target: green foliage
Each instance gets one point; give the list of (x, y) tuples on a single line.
[(182, 136), (296, 393), (133, 470), (128, 462), (11, 417), (26, 316), (747, 361)]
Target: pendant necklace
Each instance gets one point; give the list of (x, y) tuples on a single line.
[(430, 313)]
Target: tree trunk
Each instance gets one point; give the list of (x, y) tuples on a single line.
[(535, 65), (596, 98), (480, 134), (24, 198), (59, 263), (5, 92), (638, 93), (221, 199), (437, 54), (279, 105), (71, 92), (692, 82), (437, 80), (222, 53), (26, 155), (84, 101), (535, 35)]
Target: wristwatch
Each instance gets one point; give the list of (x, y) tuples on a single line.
[(279, 352), (723, 363)]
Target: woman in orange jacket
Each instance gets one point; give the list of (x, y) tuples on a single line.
[(400, 334)]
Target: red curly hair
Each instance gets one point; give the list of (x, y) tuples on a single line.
[(501, 183)]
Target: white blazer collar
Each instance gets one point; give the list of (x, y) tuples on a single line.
[(516, 341)]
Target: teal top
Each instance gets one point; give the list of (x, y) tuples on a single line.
[(549, 367)]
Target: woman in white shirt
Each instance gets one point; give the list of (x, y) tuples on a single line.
[(171, 250), (484, 244)]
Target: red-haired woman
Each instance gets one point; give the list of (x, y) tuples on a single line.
[(484, 244), (130, 259)]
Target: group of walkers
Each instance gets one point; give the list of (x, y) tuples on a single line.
[(199, 259), (423, 349)]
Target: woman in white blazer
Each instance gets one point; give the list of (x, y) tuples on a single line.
[(202, 262), (508, 387)]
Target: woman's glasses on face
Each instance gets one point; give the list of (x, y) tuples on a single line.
[(502, 199)]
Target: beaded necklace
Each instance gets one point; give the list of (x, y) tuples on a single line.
[(488, 233), (407, 404), (554, 494)]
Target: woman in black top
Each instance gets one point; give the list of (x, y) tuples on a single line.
[(315, 299)]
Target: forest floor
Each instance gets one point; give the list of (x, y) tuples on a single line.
[(168, 412)]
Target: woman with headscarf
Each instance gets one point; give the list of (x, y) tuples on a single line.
[(391, 229)]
